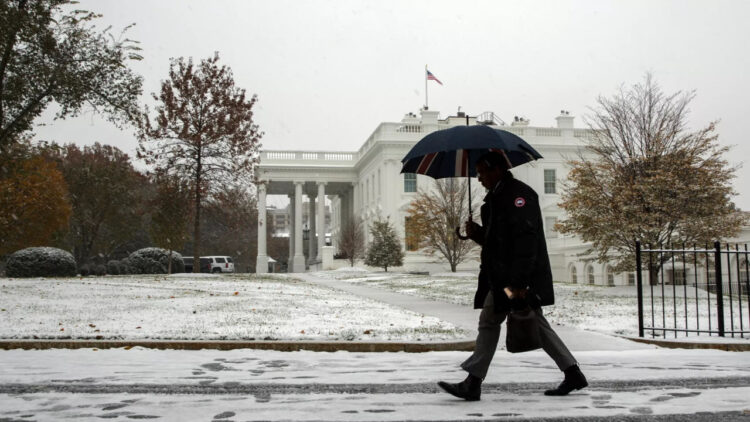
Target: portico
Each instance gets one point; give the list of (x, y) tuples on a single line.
[(315, 175)]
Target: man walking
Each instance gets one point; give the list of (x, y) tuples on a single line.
[(514, 267)]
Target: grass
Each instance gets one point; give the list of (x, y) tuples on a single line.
[(206, 307)]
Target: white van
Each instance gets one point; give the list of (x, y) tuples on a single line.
[(220, 264)]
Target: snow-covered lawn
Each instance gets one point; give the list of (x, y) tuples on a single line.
[(207, 307), (609, 310)]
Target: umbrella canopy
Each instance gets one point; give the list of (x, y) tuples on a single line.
[(454, 152)]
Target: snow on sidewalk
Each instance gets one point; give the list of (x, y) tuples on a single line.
[(267, 385)]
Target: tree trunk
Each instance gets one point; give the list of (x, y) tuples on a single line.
[(653, 275), (197, 223)]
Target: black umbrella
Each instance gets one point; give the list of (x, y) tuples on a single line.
[(454, 152)]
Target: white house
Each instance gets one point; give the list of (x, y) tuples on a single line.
[(368, 183)]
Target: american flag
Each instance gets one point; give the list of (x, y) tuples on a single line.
[(431, 77)]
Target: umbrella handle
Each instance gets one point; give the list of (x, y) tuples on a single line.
[(458, 231)]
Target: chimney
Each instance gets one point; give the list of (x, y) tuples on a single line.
[(520, 121), (429, 117), (564, 120)]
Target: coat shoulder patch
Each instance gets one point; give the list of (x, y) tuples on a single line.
[(519, 202)]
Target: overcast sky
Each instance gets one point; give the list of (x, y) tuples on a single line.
[(328, 72)]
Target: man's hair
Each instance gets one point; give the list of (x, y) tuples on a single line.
[(494, 159)]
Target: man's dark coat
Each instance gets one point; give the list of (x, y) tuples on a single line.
[(514, 250)]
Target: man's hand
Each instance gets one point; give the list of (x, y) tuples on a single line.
[(471, 228), (515, 293)]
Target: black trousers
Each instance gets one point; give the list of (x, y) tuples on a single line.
[(489, 334)]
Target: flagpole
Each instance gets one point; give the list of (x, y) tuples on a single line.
[(425, 88)]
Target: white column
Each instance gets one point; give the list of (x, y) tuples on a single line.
[(291, 234), (321, 224), (298, 262), (390, 188), (261, 261), (311, 252)]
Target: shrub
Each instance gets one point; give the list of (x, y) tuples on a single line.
[(85, 270), (40, 262), (125, 267), (113, 267), (98, 269), (154, 261)]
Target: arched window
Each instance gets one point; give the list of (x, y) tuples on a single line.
[(610, 276), (590, 274), (573, 274)]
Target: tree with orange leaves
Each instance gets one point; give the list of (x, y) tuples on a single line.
[(33, 203), (647, 177), (202, 132)]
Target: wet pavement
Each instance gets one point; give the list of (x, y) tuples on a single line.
[(85, 384)]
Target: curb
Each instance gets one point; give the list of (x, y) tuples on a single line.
[(282, 346), (677, 344)]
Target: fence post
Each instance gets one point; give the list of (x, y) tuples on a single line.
[(639, 286), (719, 288)]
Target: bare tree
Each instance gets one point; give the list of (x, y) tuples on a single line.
[(649, 178), (433, 217), (351, 240), (203, 132)]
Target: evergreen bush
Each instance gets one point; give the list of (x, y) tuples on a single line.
[(154, 261), (125, 267), (40, 262), (113, 267), (385, 250)]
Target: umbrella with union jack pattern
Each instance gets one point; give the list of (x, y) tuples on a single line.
[(454, 152)]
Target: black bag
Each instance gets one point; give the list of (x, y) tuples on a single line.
[(523, 331)]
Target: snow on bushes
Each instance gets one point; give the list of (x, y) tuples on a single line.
[(40, 262), (152, 261), (113, 267)]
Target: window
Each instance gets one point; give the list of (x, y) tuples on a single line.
[(411, 237), (220, 260), (549, 227), (573, 275), (631, 279), (410, 182), (550, 181), (610, 276), (590, 275)]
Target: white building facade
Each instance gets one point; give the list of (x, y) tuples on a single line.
[(367, 184)]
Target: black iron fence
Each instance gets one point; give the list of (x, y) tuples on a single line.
[(692, 291)]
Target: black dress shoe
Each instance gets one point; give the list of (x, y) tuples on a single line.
[(469, 389), (574, 380)]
